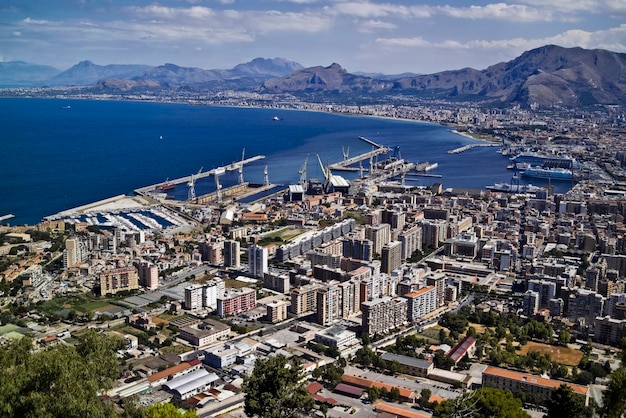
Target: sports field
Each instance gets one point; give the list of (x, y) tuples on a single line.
[(563, 355)]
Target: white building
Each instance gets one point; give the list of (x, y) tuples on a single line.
[(257, 261)]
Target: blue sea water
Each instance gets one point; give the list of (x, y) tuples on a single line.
[(58, 154)]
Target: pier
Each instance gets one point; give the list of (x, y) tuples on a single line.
[(219, 171), (470, 146)]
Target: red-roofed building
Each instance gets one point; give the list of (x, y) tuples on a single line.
[(406, 395), (466, 346), (517, 382), (399, 412)]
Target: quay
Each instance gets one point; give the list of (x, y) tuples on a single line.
[(219, 171), (470, 146)]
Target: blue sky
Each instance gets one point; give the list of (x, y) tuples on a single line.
[(373, 36)]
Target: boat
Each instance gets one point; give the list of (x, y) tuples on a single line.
[(165, 186), (548, 173), (431, 166), (276, 118), (513, 188)]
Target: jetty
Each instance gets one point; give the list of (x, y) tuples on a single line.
[(6, 217), (470, 146)]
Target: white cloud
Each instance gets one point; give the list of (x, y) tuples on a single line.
[(590, 6), (368, 10), (373, 25), (498, 11), (613, 39), (30, 21)]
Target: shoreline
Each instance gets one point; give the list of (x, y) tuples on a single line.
[(453, 128)]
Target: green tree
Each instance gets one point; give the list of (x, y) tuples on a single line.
[(614, 397), (61, 381), (483, 403), (167, 410), (564, 403), (424, 400), (275, 389)]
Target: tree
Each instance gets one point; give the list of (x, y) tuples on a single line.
[(275, 389), (564, 403), (483, 403), (61, 381), (424, 400), (614, 397), (167, 410)]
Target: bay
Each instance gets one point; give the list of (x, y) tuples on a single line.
[(58, 154)]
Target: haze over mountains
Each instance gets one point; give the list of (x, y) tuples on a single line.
[(545, 77)]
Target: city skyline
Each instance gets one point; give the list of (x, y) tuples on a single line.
[(373, 36)]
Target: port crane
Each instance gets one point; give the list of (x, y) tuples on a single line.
[(243, 157), (302, 172), (325, 172), (266, 179), (192, 185), (218, 187), (345, 152)]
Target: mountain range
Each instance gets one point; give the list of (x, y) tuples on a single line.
[(549, 76)]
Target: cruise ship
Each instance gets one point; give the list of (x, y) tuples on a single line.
[(534, 158), (548, 173)]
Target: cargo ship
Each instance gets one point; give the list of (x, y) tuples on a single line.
[(165, 186), (548, 173)]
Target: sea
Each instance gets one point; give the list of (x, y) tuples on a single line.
[(58, 154)]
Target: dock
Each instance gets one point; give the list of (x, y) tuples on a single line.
[(470, 146), (219, 170)]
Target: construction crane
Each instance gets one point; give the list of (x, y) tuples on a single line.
[(192, 185), (302, 171), (243, 157)]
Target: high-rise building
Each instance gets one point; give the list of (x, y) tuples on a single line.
[(329, 303), (391, 257), (304, 299), (236, 301), (148, 275), (75, 253), (383, 314), (257, 261), (421, 302), (411, 240), (193, 297), (530, 304), (231, 254), (360, 249), (118, 279), (379, 235)]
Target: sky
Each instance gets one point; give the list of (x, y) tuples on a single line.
[(390, 37)]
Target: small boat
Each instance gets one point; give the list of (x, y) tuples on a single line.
[(66, 107), (276, 118)]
